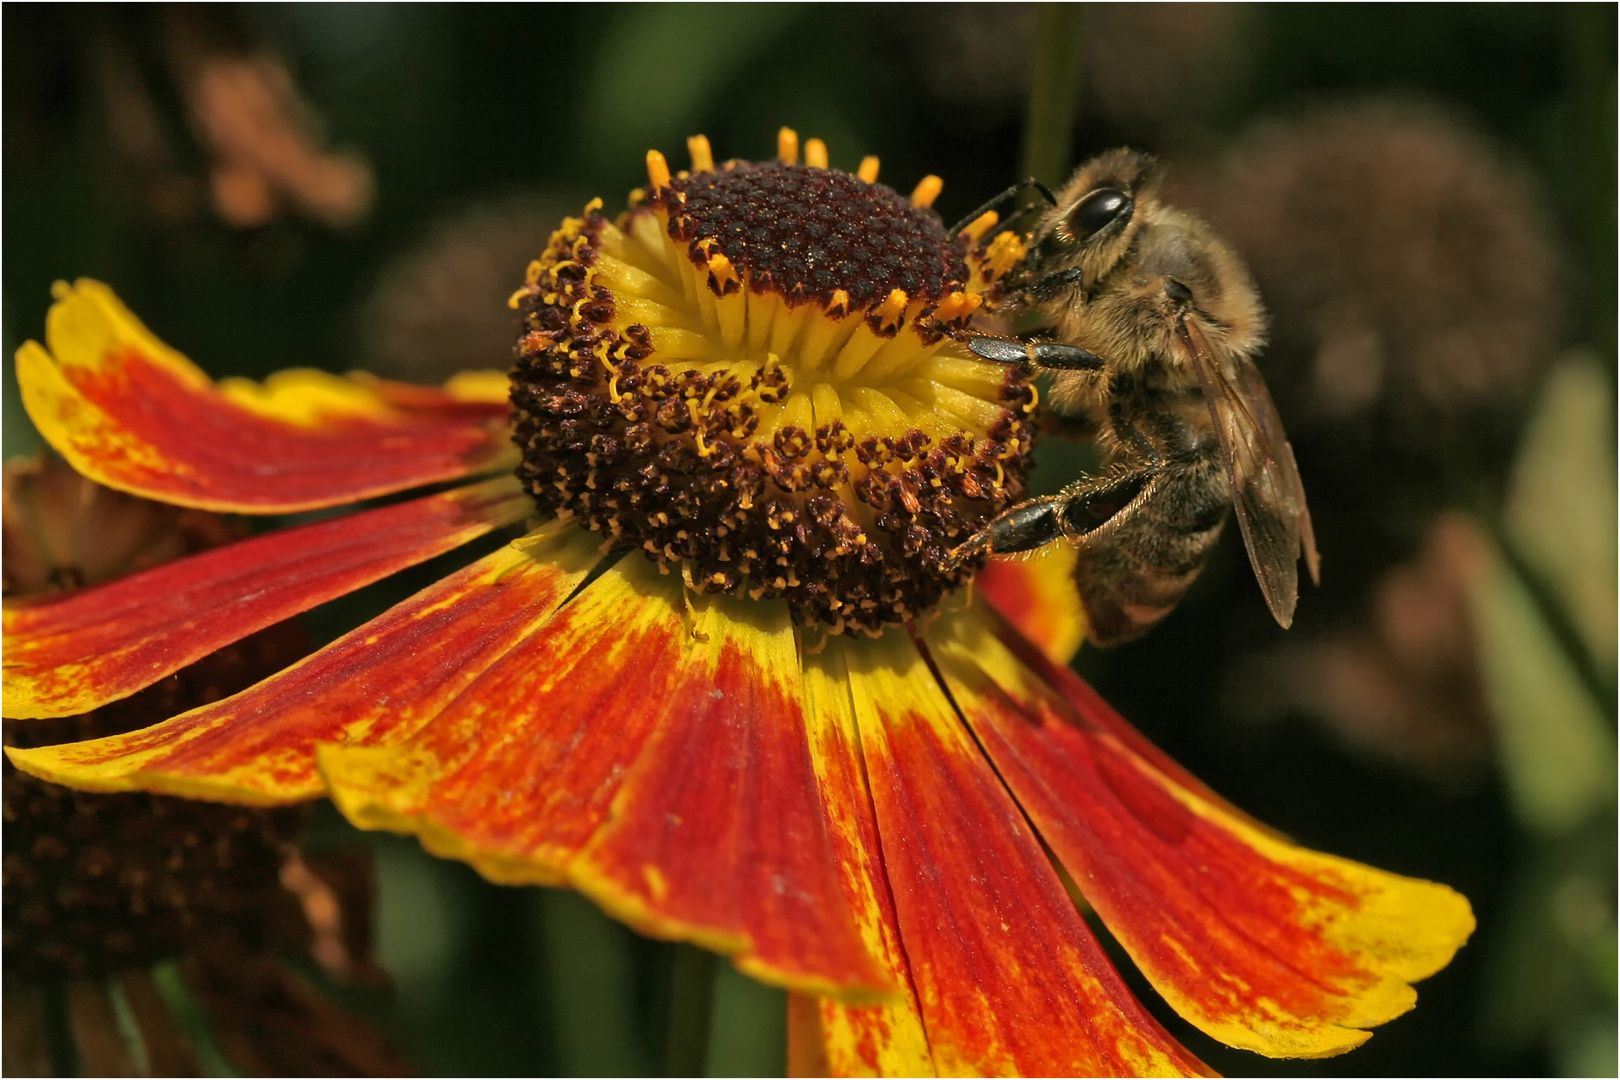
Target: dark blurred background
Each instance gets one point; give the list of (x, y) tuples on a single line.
[(1426, 195)]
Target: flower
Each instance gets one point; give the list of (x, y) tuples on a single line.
[(747, 704), (156, 924)]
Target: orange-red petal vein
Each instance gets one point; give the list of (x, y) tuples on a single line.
[(842, 1038), (375, 685), (128, 412), (660, 767), (1259, 942), (1009, 978), (105, 643)]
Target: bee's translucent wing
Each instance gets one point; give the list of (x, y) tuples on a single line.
[(1266, 489)]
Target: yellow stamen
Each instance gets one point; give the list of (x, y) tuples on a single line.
[(958, 305), (981, 225), (721, 271), (869, 169), (927, 190), (891, 309), (657, 170), (702, 156), (1005, 252), (815, 154), (787, 146)]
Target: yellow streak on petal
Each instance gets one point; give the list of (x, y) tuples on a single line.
[(474, 386), (1036, 593), (872, 1040), (304, 396), (88, 325), (79, 430)]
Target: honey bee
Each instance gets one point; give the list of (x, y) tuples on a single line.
[(1156, 324)]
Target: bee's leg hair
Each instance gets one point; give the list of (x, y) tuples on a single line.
[(1128, 434), (1055, 285), (1089, 504), (1055, 354)]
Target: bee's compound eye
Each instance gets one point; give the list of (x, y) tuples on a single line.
[(1097, 210)]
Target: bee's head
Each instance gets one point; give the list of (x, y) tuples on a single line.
[(1093, 222)]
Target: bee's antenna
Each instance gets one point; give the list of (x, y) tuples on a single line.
[(1045, 191)]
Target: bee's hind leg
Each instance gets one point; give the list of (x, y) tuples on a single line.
[(1070, 514), (1025, 527)]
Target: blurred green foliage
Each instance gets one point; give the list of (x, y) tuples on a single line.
[(457, 105)]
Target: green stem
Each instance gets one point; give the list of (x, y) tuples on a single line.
[(1053, 92), (60, 1045), (691, 1006), (191, 1018)]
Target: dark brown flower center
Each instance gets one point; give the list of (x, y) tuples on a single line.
[(751, 377)]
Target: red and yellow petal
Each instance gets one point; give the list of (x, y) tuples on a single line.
[(1261, 943), (105, 643), (1036, 593), (654, 757), (826, 1036), (1008, 977), (375, 685), (131, 413)]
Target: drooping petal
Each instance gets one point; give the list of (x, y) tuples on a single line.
[(105, 643), (655, 759), (375, 685), (129, 412), (828, 1037), (1036, 593), (1261, 943), (1009, 978)]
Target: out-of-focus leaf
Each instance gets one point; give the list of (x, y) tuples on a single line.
[(590, 981), (1556, 750), (1561, 506), (665, 61), (749, 1032)]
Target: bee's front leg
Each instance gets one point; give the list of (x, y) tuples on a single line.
[(1043, 354)]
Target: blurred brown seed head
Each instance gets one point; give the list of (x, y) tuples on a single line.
[(1405, 260), (441, 307)]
